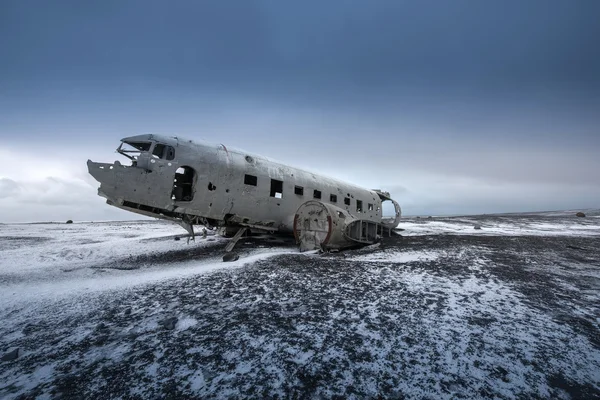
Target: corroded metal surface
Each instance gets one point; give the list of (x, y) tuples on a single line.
[(194, 183)]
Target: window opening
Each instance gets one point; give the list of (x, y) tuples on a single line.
[(333, 198), (132, 150), (299, 190), (140, 146), (347, 201), (359, 205), (250, 180), (317, 194), (276, 188), (370, 207), (159, 151), (170, 153)]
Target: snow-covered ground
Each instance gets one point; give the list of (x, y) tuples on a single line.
[(540, 224), (53, 260), (123, 310)]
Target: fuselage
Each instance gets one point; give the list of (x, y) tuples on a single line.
[(199, 182)]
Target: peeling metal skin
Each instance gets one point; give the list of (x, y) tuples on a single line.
[(194, 182)]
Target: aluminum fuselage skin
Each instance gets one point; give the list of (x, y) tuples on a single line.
[(220, 193)]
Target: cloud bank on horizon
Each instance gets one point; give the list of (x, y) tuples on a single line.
[(456, 108)]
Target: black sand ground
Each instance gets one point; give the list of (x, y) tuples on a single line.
[(474, 317)]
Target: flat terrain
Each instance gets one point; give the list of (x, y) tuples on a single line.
[(123, 310)]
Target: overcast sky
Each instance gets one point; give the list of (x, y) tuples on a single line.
[(455, 107)]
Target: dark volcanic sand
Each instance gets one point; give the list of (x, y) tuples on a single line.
[(433, 316)]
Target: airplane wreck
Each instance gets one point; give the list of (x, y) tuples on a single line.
[(198, 183)]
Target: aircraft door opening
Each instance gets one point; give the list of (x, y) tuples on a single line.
[(183, 184)]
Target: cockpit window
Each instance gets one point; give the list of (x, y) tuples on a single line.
[(163, 151), (170, 153), (141, 146), (132, 150), (159, 150)]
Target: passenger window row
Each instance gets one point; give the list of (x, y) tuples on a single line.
[(277, 192)]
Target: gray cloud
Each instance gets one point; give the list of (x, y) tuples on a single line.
[(346, 45), (54, 199), (489, 105), (8, 188)]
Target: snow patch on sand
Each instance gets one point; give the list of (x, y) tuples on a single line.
[(397, 257), (501, 226)]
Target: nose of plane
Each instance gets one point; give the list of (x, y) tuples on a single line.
[(102, 172), (93, 169)]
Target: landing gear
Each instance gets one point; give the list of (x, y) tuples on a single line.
[(232, 256), (189, 228)]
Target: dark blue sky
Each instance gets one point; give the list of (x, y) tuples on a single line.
[(458, 106)]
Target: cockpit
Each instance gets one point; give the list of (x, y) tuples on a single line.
[(139, 152), (156, 154)]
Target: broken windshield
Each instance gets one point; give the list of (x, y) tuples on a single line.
[(132, 150)]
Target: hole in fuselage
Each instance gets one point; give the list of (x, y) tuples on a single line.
[(183, 184), (388, 209)]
